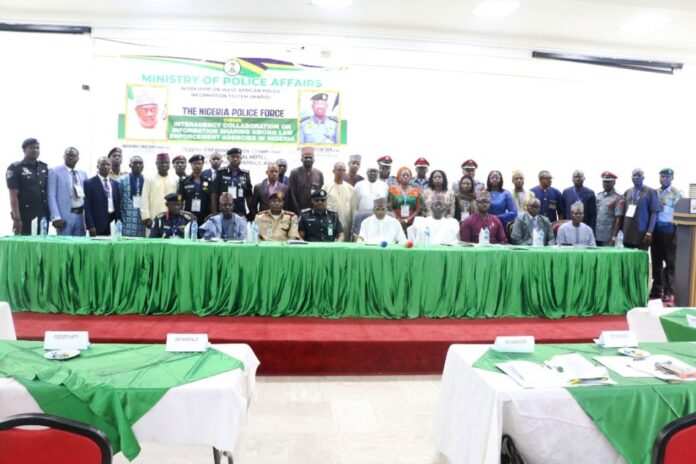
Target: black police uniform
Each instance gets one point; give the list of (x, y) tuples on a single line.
[(239, 179), (31, 180), (320, 227), (166, 226), (190, 191)]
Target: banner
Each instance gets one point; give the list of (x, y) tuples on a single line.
[(265, 106)]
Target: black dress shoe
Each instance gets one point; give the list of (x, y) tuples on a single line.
[(666, 297)]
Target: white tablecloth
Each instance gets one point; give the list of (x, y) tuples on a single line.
[(645, 323), (477, 406), (210, 411)]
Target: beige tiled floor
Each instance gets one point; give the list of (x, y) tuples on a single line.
[(327, 420)]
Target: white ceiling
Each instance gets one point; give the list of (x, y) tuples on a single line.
[(581, 24)]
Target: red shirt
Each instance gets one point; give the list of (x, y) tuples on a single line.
[(470, 227)]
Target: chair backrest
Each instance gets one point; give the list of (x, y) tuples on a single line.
[(676, 442), (57, 440), (555, 225), (7, 328)]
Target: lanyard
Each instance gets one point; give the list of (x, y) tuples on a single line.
[(176, 225), (137, 182), (635, 195), (225, 230)]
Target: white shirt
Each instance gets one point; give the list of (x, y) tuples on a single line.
[(109, 193), (445, 230), (365, 193), (387, 229)]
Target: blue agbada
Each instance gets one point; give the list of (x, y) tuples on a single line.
[(587, 198), (551, 202)]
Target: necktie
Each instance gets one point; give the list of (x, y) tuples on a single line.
[(74, 182), (107, 188)]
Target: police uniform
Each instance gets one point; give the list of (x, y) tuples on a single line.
[(31, 180), (277, 229), (314, 131), (237, 183), (196, 195), (320, 227), (166, 226)]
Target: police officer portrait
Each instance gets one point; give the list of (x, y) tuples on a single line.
[(318, 121)]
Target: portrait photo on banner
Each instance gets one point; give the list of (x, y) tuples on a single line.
[(146, 112), (320, 120)]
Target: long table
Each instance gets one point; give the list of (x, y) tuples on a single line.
[(210, 411), (156, 276)]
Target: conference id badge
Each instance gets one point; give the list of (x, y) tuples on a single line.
[(240, 192), (631, 211), (79, 191), (330, 231), (136, 201), (232, 190), (196, 205), (405, 209)]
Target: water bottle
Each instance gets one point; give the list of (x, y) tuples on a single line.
[(426, 236), (249, 232), (542, 238), (535, 237), (254, 233), (485, 236), (194, 231), (619, 240), (43, 227), (118, 232)]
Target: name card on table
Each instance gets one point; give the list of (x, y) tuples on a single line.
[(59, 340), (187, 343), (521, 344), (691, 320), (656, 307), (617, 339)]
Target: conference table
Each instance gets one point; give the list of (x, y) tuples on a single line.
[(209, 411), (331, 280), (658, 324), (478, 405)]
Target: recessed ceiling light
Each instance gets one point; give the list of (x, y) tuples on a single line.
[(332, 3), (644, 24), (496, 9)]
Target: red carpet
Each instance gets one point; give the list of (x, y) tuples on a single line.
[(312, 346)]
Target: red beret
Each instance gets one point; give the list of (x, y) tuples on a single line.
[(470, 164), (386, 159), (606, 175), (422, 162)]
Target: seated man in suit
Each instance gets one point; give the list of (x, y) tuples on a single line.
[(66, 195), (102, 195), (524, 225), (173, 222), (225, 225)]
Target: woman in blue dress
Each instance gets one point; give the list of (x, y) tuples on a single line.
[(502, 202)]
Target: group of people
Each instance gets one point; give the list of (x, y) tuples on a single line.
[(381, 207)]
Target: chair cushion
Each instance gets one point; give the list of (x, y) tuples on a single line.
[(681, 447), (30, 446)]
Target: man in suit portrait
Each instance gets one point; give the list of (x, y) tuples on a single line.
[(66, 195), (101, 197), (262, 190)]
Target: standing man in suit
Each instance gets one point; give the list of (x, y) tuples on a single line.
[(101, 198), (66, 195), (269, 186), (215, 163)]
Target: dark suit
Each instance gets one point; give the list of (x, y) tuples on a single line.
[(209, 174), (97, 207), (259, 198)]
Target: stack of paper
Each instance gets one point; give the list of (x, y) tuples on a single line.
[(560, 371)]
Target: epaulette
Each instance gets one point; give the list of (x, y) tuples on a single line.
[(289, 213), (244, 170), (333, 118), (16, 163), (328, 210), (307, 210), (305, 119), (188, 215), (264, 212), (161, 215), (41, 162)]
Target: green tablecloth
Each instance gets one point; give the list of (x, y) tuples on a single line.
[(83, 276), (108, 386), (631, 413), (676, 328)]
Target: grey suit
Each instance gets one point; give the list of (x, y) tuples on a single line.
[(61, 200), (523, 227)]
